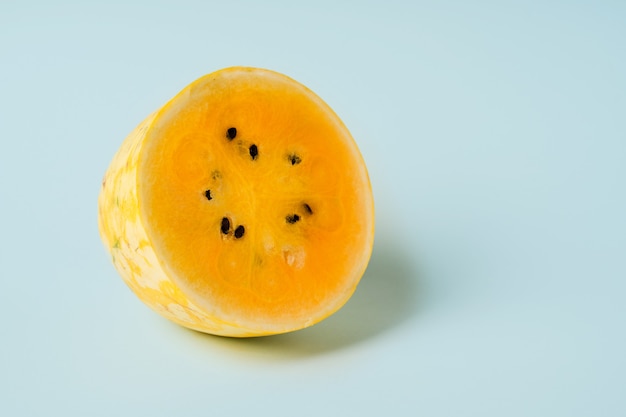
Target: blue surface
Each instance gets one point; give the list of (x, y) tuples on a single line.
[(495, 137)]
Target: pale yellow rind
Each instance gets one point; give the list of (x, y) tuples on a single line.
[(124, 236)]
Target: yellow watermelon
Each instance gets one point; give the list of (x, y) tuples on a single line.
[(242, 207)]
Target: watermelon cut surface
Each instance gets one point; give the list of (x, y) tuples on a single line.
[(241, 208)]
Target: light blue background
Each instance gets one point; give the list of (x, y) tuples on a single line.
[(495, 137)]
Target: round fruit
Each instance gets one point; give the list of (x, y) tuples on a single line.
[(241, 208)]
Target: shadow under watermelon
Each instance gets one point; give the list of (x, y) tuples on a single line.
[(386, 296)]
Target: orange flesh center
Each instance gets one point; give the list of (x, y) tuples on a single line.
[(248, 203)]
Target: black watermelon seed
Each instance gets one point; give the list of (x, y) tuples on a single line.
[(239, 231), (207, 194), (225, 227), (231, 133), (292, 218), (254, 151), (294, 159), (308, 208)]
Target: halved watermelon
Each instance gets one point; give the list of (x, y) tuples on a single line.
[(241, 208)]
